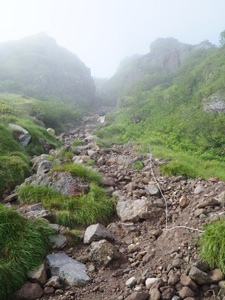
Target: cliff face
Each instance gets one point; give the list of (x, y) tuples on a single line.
[(166, 55), (36, 66)]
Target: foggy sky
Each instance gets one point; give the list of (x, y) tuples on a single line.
[(103, 32)]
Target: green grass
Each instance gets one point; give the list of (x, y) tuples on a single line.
[(138, 165), (70, 211), (89, 163), (23, 246), (77, 142), (212, 244), (13, 170), (78, 170)]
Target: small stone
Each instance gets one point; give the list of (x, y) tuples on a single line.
[(222, 285), (173, 279), (54, 281), (199, 189), (29, 291), (183, 202), (131, 282), (175, 298), (177, 263), (167, 293), (152, 189), (202, 265), (59, 292), (186, 292), (96, 232), (38, 275), (59, 241), (49, 290), (187, 281), (216, 275), (200, 211), (149, 282), (155, 294), (138, 296), (133, 248)]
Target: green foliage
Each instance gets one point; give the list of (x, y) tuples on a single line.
[(23, 246), (138, 165), (13, 170), (77, 142), (78, 170), (89, 163), (70, 211), (212, 244)]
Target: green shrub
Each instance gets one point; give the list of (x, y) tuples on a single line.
[(90, 162), (212, 243), (23, 246), (138, 165), (77, 142)]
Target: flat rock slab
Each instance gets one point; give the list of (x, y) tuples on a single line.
[(68, 270)]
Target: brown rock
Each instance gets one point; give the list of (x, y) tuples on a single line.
[(29, 291), (138, 296), (216, 275), (200, 211), (173, 279), (183, 202), (167, 292), (154, 294), (187, 281), (186, 292), (38, 275), (49, 290), (10, 198)]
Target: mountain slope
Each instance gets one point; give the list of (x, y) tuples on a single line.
[(184, 111), (37, 67)]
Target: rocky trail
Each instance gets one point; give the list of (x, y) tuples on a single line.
[(136, 256)]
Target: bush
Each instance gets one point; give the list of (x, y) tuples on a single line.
[(212, 244), (77, 142), (23, 246)]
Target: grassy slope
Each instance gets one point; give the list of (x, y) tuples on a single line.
[(23, 245), (170, 116), (30, 114)]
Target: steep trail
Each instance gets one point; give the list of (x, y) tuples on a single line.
[(144, 248)]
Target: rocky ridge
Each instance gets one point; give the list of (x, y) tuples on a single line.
[(135, 257)]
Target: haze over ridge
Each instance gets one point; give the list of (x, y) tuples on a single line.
[(103, 32)]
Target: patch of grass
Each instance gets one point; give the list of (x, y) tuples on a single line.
[(138, 165), (13, 170), (66, 154), (90, 162), (35, 193), (212, 243), (77, 142), (70, 211), (23, 246), (78, 170)]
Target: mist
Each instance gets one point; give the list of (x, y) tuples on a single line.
[(102, 32)]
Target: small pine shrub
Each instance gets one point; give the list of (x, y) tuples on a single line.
[(212, 244), (23, 246)]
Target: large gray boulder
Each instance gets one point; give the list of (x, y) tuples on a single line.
[(21, 134), (135, 210), (63, 182), (68, 270), (96, 232)]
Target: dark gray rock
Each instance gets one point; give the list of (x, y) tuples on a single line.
[(68, 270), (59, 242), (199, 277)]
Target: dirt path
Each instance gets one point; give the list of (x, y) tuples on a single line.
[(146, 249)]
